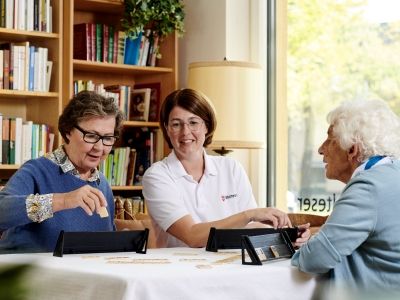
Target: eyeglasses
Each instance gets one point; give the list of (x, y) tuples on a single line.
[(193, 124), (93, 138)]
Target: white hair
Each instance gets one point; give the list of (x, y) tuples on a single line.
[(370, 124)]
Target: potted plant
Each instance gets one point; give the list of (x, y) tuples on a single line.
[(161, 17)]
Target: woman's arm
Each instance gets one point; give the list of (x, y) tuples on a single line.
[(196, 235)]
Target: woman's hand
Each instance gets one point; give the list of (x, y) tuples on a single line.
[(87, 197), (269, 215), (303, 235)]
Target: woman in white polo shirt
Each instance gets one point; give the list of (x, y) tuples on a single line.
[(189, 191)]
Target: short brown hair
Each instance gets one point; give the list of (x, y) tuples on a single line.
[(193, 101), (84, 105)]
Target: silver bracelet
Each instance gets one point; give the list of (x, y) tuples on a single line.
[(39, 207)]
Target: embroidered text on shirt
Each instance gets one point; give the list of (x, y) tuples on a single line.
[(223, 198)]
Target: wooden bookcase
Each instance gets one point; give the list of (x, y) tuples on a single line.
[(39, 107), (110, 12)]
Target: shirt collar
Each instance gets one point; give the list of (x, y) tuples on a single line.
[(362, 167), (60, 158), (177, 169)]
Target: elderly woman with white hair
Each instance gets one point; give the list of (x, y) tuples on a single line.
[(359, 245)]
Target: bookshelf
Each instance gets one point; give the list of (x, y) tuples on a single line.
[(39, 107), (165, 71)]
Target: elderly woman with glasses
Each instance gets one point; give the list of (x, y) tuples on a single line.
[(63, 190), (190, 191)]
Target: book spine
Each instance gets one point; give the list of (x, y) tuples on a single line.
[(31, 68), (5, 140), (115, 47), (11, 156), (105, 43), (99, 42), (110, 44), (121, 47), (6, 69), (132, 50), (81, 41), (1, 69)]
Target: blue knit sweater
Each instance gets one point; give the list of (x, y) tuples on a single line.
[(43, 176)]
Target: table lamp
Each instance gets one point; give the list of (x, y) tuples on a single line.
[(236, 91)]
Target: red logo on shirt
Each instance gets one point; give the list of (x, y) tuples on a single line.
[(223, 198)]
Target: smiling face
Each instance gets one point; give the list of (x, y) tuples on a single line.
[(187, 143), (340, 164), (86, 156)]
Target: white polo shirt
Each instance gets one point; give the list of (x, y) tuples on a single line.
[(171, 193)]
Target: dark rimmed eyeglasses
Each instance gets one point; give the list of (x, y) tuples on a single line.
[(93, 138)]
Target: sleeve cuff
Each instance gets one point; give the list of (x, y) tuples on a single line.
[(39, 207)]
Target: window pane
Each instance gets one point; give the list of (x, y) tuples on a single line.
[(337, 50)]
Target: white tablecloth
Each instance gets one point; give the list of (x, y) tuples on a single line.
[(170, 273)]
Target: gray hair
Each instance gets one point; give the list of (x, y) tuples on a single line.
[(370, 124)]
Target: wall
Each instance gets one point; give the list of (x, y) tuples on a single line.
[(216, 29)]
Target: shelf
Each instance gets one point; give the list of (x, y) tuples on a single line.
[(23, 35), (83, 65), (127, 188), (108, 6), (141, 124), (9, 167), (24, 94)]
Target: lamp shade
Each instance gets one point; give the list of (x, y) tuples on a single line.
[(236, 91)]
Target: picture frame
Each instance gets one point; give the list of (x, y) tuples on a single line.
[(155, 96), (140, 104)]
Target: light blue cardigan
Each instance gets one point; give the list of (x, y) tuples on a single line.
[(359, 245)]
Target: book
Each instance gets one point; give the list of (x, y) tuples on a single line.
[(153, 52), (27, 141), (110, 44), (6, 69), (138, 139), (31, 69), (105, 43), (121, 47), (155, 96), (1, 68), (131, 167), (11, 149), (5, 140), (132, 46), (140, 104), (82, 42), (115, 47), (18, 141), (1, 137), (99, 42), (49, 67)]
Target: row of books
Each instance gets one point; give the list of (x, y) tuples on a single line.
[(143, 50), (21, 141), (30, 15), (104, 43), (126, 165), (127, 208), (141, 103), (24, 67), (119, 166), (120, 93)]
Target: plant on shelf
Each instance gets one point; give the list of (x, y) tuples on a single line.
[(162, 17)]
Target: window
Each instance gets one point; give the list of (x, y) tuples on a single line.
[(336, 50)]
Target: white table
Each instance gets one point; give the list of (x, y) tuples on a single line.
[(169, 273)]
